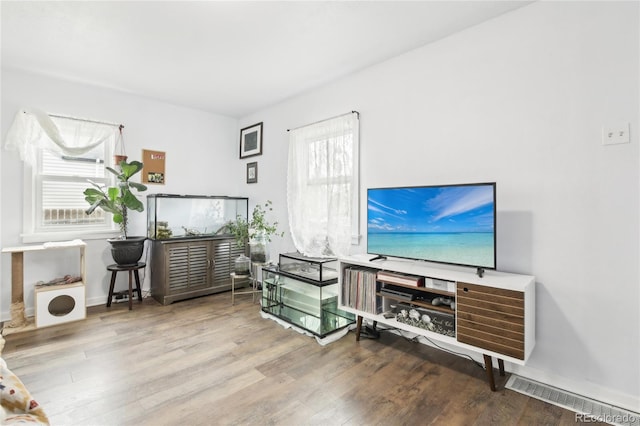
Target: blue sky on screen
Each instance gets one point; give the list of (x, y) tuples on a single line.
[(431, 209)]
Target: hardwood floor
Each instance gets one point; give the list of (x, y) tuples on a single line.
[(205, 362)]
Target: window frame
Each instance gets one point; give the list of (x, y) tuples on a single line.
[(34, 231)]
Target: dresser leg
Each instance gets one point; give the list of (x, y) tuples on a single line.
[(501, 366)]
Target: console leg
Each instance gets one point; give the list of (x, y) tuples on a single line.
[(488, 365), (501, 366), (358, 327)]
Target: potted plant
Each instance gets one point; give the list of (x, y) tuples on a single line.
[(257, 232), (240, 230), (118, 200)]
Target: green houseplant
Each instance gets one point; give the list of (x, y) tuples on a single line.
[(118, 200), (257, 231)]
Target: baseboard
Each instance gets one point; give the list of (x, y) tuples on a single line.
[(92, 301)]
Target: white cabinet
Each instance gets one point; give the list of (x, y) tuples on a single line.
[(494, 315)]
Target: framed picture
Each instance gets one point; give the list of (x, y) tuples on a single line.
[(252, 172), (251, 141), (153, 169)]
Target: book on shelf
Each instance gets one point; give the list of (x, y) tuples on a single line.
[(396, 278), (360, 290)]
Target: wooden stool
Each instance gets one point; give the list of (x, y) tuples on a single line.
[(133, 271)]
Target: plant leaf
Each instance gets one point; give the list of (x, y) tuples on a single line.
[(140, 187), (94, 206), (131, 202), (115, 172), (130, 169), (113, 193)]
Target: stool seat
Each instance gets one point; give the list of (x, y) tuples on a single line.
[(133, 273)]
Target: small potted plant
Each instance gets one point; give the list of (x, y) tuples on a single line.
[(260, 233), (257, 232), (118, 200), (240, 230)]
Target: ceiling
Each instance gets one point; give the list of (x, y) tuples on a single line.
[(226, 57)]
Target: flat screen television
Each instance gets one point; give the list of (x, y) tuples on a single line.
[(452, 224)]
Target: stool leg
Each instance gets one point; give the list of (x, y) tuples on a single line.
[(137, 277), (113, 282), (130, 290), (233, 288)]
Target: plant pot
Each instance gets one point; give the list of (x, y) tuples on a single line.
[(127, 252), (258, 249), (242, 265), (118, 158)]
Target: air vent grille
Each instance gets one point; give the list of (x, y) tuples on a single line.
[(582, 406)]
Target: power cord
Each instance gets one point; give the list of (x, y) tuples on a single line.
[(416, 339)]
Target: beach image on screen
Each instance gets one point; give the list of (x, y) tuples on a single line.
[(450, 224)]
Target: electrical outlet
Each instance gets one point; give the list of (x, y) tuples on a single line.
[(612, 135)]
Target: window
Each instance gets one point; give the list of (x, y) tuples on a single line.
[(323, 186), (61, 155), (59, 184)]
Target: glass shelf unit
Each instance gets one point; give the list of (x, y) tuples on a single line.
[(310, 304)]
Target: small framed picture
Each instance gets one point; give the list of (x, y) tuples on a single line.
[(252, 172), (251, 141)]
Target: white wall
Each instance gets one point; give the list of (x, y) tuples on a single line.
[(520, 100), (198, 146)]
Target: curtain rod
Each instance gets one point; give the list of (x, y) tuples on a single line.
[(68, 117), (87, 120), (326, 119)]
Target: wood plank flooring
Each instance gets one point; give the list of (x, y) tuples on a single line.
[(205, 362)]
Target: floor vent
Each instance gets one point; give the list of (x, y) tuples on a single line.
[(589, 408)]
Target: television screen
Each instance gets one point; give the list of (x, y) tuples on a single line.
[(454, 224)]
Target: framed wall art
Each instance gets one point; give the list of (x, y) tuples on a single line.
[(153, 166), (252, 172), (251, 141)]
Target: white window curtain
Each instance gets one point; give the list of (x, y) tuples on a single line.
[(322, 186), (33, 131), (60, 154)]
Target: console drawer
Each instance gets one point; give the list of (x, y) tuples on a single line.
[(490, 318)]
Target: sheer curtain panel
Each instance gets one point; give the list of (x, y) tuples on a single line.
[(60, 154), (322, 186), (34, 130)]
